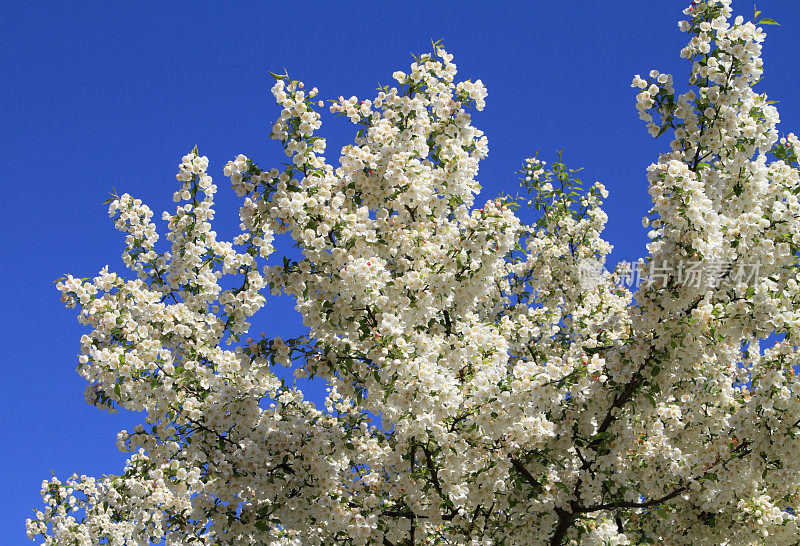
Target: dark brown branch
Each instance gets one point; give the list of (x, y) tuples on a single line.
[(447, 324), (519, 467), (435, 479), (742, 450), (625, 504), (564, 521)]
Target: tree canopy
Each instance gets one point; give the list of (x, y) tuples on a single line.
[(489, 382)]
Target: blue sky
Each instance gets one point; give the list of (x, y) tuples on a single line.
[(100, 95)]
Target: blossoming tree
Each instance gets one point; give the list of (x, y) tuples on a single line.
[(518, 403)]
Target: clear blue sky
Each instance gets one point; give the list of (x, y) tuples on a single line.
[(100, 95)]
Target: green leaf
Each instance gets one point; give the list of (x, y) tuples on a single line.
[(599, 437), (767, 21)]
